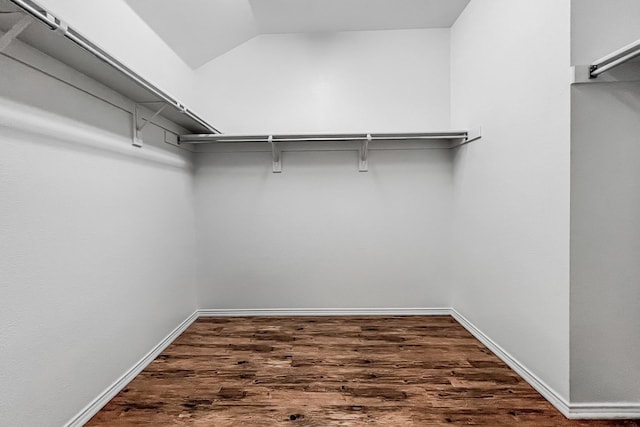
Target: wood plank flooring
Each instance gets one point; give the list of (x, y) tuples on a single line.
[(330, 371)]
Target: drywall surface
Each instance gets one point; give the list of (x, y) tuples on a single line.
[(605, 243), (118, 30), (97, 247), (511, 189), (214, 27), (605, 212), (599, 27), (330, 82), (321, 234)]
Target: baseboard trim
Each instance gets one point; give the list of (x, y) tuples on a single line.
[(574, 411), (604, 411), (541, 387), (293, 312), (584, 411), (99, 402)]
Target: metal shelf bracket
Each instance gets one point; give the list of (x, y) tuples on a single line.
[(363, 163), (277, 155), (137, 128), (472, 135), (15, 31)]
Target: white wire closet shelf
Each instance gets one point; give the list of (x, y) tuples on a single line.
[(40, 29), (26, 21), (454, 135), (362, 140)]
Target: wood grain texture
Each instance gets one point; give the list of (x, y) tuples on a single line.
[(330, 371)]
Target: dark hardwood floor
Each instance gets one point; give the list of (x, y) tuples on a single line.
[(330, 371)]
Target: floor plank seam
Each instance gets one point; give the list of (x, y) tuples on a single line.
[(352, 368)]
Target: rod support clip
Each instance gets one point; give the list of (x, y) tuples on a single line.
[(62, 29)]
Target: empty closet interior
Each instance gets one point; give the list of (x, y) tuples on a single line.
[(158, 163)]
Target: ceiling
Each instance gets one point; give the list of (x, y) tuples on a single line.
[(200, 30)]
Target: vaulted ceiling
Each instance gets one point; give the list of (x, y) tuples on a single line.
[(200, 30), (300, 16)]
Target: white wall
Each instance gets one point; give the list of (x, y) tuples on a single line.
[(599, 27), (330, 82), (605, 212), (97, 246), (511, 203), (605, 243), (322, 235)]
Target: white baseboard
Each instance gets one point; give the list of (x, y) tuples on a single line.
[(604, 411), (99, 402), (574, 411), (293, 312), (569, 410), (541, 387)]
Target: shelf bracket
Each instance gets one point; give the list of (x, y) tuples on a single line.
[(277, 155), (14, 32), (137, 128), (363, 161), (472, 135)]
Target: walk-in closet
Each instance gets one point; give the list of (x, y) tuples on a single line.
[(319, 212)]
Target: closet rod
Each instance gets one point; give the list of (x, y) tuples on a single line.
[(59, 26), (615, 59), (391, 136)]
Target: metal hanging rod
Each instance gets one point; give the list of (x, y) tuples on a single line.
[(614, 59), (58, 25), (258, 138), (457, 138)]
